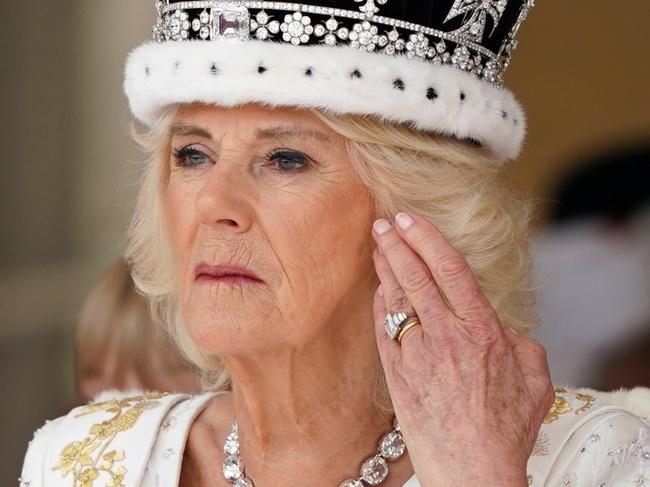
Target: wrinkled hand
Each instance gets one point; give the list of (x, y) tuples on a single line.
[(469, 394)]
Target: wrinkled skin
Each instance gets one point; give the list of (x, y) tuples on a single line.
[(305, 232)]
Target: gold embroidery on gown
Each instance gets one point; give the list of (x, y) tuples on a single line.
[(561, 405), (89, 458)]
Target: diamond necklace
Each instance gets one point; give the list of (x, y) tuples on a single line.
[(373, 471)]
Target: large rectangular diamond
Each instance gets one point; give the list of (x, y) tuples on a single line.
[(230, 22)]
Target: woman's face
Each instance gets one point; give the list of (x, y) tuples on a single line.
[(272, 191)]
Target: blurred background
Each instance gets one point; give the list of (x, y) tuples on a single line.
[(69, 173)]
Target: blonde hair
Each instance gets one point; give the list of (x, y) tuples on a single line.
[(455, 185)]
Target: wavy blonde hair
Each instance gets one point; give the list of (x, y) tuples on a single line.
[(455, 185)]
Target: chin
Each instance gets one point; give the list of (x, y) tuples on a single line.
[(224, 331)]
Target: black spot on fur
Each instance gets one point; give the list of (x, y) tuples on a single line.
[(261, 69), (356, 74), (309, 72), (432, 94), (462, 96), (147, 71), (504, 114), (399, 84), (214, 69)]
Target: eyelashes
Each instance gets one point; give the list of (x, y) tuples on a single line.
[(281, 160), (189, 157), (288, 160)]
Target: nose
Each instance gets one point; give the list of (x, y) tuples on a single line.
[(223, 198)]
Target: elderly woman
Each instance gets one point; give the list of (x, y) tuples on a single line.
[(325, 233)]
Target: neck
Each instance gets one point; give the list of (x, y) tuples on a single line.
[(316, 401)]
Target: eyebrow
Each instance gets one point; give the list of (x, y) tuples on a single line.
[(266, 133)]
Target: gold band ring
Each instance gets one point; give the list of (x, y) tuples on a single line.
[(406, 328)]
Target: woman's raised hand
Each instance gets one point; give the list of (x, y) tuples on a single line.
[(470, 395)]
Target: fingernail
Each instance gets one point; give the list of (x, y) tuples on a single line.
[(380, 290), (512, 330), (404, 220), (381, 226)]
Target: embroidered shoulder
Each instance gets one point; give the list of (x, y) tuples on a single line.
[(104, 443), (568, 401), (573, 422), (93, 456), (612, 448), (576, 401)]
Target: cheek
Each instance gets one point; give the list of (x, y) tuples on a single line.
[(323, 238), (343, 217), (181, 220)]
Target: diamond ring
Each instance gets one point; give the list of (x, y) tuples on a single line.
[(396, 322)]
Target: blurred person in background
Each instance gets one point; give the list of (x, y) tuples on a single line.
[(593, 266), (326, 233), (119, 347)]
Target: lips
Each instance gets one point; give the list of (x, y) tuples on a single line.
[(224, 271)]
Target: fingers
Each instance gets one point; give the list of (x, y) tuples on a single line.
[(449, 268), (436, 279), (395, 299), (394, 296), (532, 361), (408, 277), (530, 355)]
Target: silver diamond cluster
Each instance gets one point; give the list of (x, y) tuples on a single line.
[(364, 29), (374, 469), (233, 466), (394, 322)]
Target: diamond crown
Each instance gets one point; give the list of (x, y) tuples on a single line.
[(476, 36)]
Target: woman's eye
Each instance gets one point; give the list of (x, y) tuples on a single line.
[(286, 161), (189, 157)]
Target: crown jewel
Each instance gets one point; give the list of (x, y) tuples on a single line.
[(476, 36)]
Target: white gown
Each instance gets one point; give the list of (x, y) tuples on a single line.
[(588, 439)]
